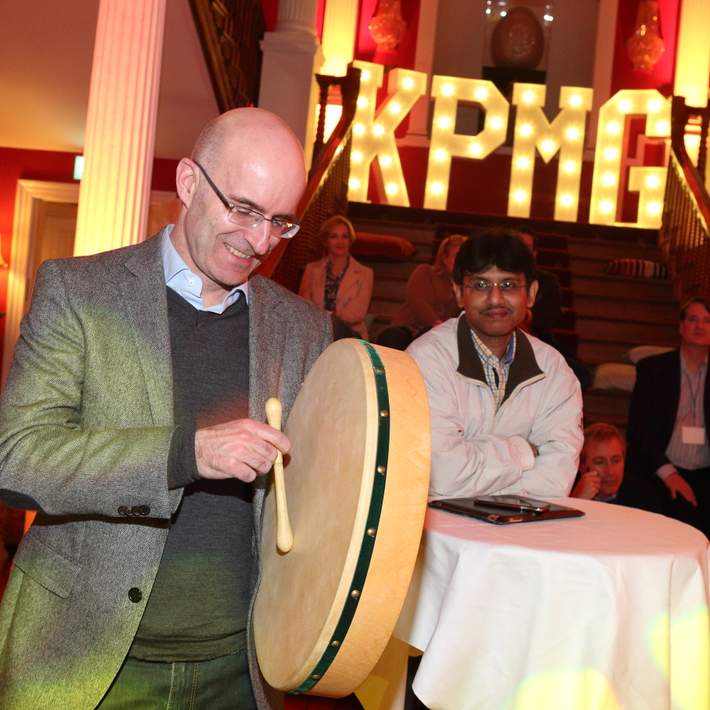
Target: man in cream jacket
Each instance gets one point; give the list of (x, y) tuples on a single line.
[(506, 410)]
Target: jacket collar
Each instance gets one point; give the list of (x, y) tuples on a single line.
[(523, 368)]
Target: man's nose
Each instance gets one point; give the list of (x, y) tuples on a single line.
[(495, 294), (260, 238)]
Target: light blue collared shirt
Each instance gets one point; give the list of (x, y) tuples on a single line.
[(187, 284)]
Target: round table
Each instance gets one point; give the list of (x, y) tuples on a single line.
[(605, 611)]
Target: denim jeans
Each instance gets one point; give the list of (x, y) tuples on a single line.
[(218, 684)]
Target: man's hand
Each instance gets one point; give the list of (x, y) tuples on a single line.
[(242, 448), (587, 486), (677, 485)]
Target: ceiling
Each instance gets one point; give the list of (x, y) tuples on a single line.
[(46, 52)]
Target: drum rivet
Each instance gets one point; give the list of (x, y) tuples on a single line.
[(381, 469), (335, 643), (372, 532), (315, 676), (384, 413), (355, 594), (378, 370)]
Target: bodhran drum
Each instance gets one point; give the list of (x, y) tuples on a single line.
[(357, 478)]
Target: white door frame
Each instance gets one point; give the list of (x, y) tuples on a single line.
[(30, 195)]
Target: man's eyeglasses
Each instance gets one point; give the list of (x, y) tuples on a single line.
[(484, 285), (246, 216)]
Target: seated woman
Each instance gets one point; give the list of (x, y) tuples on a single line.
[(337, 283), (430, 298)]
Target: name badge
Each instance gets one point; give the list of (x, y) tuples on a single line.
[(693, 435)]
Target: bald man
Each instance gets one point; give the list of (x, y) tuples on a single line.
[(133, 423)]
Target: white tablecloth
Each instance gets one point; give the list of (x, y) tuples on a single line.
[(605, 611)]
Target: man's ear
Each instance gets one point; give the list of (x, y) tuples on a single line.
[(532, 293), (458, 292), (186, 181)]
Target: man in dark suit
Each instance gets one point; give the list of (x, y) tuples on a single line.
[(668, 456), (133, 423)]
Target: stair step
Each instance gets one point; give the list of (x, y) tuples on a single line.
[(547, 258), (621, 330), (391, 271), (597, 350), (621, 308), (607, 402), (545, 241), (568, 319), (607, 249), (622, 287), (610, 406), (568, 297), (564, 276)]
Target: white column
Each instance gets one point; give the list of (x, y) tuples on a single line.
[(120, 125), (603, 63), (418, 127), (291, 57), (339, 28), (692, 64)]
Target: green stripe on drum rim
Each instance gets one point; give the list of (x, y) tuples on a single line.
[(373, 519)]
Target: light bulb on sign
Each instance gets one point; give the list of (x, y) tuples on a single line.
[(445, 143), (606, 183), (373, 131), (563, 135)]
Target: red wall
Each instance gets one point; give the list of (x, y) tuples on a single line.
[(403, 55), (624, 76)]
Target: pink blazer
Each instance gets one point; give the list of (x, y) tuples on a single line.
[(354, 292)]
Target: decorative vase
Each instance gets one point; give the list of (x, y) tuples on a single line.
[(387, 25), (645, 46), (518, 40)]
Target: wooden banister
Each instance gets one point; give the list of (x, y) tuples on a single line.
[(685, 232), (326, 191), (230, 32)]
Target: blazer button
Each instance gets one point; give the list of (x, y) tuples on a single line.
[(135, 594), (142, 510), (123, 510)]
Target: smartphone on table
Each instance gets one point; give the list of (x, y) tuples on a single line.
[(512, 502)]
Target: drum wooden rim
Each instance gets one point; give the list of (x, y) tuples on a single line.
[(357, 477), (368, 540)]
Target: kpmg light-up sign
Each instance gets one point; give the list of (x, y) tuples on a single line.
[(374, 127)]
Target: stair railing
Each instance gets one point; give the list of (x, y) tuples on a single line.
[(327, 188), (230, 32), (684, 237)]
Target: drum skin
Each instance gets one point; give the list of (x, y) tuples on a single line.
[(357, 479)]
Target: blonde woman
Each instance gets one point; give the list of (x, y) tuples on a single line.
[(338, 283)]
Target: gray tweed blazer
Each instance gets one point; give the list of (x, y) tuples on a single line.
[(85, 427)]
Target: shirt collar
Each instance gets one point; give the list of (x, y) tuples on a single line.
[(684, 363), (485, 352), (188, 284)]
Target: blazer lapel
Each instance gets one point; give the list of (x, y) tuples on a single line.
[(142, 289), (266, 346)]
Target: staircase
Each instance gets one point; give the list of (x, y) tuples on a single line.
[(604, 316)]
